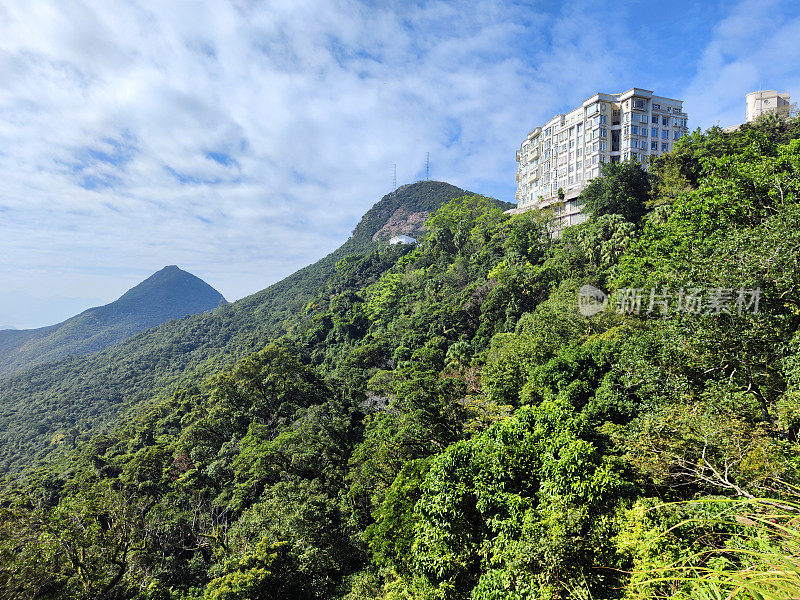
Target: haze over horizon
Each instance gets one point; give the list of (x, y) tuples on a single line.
[(242, 142)]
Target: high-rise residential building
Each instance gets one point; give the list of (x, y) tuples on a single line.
[(558, 159), (766, 102)]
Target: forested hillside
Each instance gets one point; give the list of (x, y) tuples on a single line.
[(168, 294), (58, 405), (442, 422)]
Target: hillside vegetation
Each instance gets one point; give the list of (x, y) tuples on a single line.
[(58, 405), (167, 294), (442, 423)]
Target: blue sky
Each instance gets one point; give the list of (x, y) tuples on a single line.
[(243, 140)]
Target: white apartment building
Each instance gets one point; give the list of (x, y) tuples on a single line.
[(566, 152), (764, 102)]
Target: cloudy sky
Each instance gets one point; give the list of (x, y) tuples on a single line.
[(241, 140)]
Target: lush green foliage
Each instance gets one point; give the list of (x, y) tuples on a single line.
[(59, 406), (441, 422)]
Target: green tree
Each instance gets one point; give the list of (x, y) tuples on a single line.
[(623, 189), (265, 572)]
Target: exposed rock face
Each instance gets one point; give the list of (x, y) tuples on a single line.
[(401, 222)]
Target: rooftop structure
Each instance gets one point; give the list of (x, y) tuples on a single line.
[(557, 159), (402, 239), (765, 102)]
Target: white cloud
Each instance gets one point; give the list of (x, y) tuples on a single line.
[(242, 140), (754, 47)]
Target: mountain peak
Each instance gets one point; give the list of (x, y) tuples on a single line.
[(170, 293), (404, 210), (170, 281)]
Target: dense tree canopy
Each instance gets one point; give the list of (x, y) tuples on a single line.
[(442, 422)]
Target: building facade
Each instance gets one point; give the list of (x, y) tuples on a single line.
[(765, 102), (565, 153)]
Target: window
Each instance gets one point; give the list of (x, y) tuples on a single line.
[(615, 112), (665, 147), (676, 135), (627, 118), (665, 121), (592, 109), (602, 145), (654, 146), (602, 132), (638, 103), (595, 134), (579, 127), (602, 119), (656, 106), (664, 134), (644, 131), (635, 143), (635, 129)]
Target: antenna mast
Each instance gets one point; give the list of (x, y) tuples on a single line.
[(427, 166)]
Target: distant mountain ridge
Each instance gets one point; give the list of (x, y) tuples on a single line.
[(83, 394), (170, 293)]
